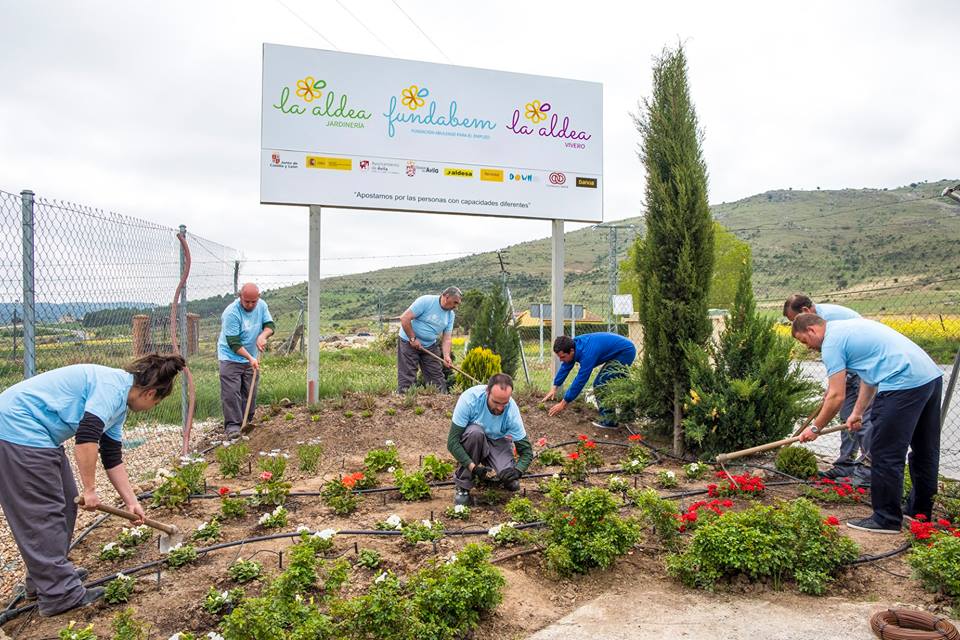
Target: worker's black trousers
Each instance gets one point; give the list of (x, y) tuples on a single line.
[(907, 418), (37, 495)]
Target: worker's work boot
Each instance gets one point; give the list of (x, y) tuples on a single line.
[(90, 596), (30, 592)]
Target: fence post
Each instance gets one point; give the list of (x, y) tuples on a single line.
[(182, 326), (29, 310), (236, 278)]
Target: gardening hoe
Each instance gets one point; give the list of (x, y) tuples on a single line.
[(452, 366), (246, 409), (727, 457), (170, 535)]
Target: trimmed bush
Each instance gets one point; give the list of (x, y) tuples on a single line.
[(797, 462)]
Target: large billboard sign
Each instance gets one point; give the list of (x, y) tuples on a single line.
[(355, 131)]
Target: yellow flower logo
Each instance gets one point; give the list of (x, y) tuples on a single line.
[(413, 97), (310, 89), (536, 111)]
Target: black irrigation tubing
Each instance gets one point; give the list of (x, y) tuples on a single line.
[(10, 614), (881, 556)]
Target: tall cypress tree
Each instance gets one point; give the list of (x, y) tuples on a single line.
[(494, 330), (674, 260)]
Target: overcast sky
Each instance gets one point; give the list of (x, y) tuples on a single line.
[(152, 109)]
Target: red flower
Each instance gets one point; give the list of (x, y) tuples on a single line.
[(542, 442), (582, 438), (727, 503), (711, 490), (920, 517), (590, 444), (266, 475), (861, 491), (349, 481), (635, 437), (573, 456), (572, 521), (832, 521), (944, 523), (223, 491)]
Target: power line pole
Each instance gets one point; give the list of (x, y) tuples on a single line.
[(614, 282), (513, 317)]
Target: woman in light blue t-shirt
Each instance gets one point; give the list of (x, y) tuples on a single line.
[(87, 402)]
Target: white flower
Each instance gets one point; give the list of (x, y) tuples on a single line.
[(225, 595), (494, 530), (326, 534), (389, 443), (556, 475), (670, 474), (121, 576), (213, 635), (275, 450), (175, 636), (452, 558), (395, 521), (298, 598), (426, 523), (303, 529), (381, 577), (391, 469), (109, 546), (264, 518), (163, 474), (263, 453), (202, 526), (459, 508), (616, 479), (176, 547)]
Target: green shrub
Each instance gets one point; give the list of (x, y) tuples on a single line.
[(522, 510), (71, 632), (113, 551), (789, 541), (208, 531), (550, 458), (231, 457), (936, 563), (216, 601), (130, 537), (747, 390), (481, 363), (382, 459), (666, 479), (797, 462), (948, 499), (126, 627), (458, 512), (245, 570), (494, 330), (181, 555), (274, 519), (269, 490), (308, 454), (232, 507), (659, 513), (274, 463), (369, 559), (186, 479), (423, 531), (506, 534), (695, 470), (435, 469), (339, 497), (119, 589), (586, 531), (412, 486)]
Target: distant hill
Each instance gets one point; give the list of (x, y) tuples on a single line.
[(818, 241)]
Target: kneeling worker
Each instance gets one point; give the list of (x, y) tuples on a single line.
[(611, 352), (905, 386), (38, 489), (486, 426)]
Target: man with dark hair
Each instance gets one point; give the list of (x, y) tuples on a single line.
[(612, 353), (905, 386), (486, 427), (427, 325), (848, 463)]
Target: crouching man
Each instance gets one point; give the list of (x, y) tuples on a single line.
[(485, 429)]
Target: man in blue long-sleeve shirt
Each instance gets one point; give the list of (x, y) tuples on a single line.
[(607, 350)]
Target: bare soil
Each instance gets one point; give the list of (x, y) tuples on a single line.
[(533, 599)]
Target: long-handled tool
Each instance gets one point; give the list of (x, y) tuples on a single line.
[(170, 535), (246, 409), (727, 457), (452, 366)]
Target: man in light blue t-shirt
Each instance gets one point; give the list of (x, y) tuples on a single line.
[(245, 326), (905, 386), (485, 428), (848, 463), (426, 326)]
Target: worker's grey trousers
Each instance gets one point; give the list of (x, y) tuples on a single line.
[(496, 454), (36, 493), (235, 380), (410, 358)]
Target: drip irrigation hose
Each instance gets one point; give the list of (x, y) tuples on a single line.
[(881, 556), (191, 390), (10, 614), (907, 624)]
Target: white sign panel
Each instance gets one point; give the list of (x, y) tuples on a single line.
[(348, 130), (623, 304)]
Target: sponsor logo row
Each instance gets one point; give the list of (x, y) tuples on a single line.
[(411, 169)]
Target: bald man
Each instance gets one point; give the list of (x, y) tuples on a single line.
[(244, 328)]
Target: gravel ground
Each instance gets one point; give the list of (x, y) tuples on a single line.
[(146, 448)]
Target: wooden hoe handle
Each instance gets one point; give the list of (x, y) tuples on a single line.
[(726, 457), (153, 524)]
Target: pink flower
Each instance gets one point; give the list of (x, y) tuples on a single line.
[(542, 442), (582, 438), (573, 456), (266, 476), (590, 444)]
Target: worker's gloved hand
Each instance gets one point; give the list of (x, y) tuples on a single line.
[(483, 474), (510, 474)]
